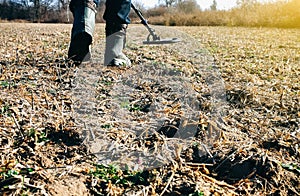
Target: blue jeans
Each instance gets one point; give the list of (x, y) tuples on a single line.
[(117, 11), (84, 20)]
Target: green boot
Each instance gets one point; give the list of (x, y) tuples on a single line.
[(115, 43), (84, 13)]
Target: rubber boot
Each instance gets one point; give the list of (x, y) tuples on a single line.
[(115, 43), (84, 13)]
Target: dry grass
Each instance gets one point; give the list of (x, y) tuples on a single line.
[(256, 153), (278, 14)]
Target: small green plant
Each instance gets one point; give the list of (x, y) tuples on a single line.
[(5, 110), (106, 82), (6, 84), (108, 173), (197, 193), (38, 136), (134, 108), (127, 105), (52, 92), (116, 176), (43, 137), (8, 174), (292, 167), (106, 126)]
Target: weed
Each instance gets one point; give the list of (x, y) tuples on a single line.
[(197, 193), (134, 108), (106, 126), (107, 82), (38, 136), (5, 110), (6, 84), (125, 104), (131, 107), (108, 173), (8, 174), (113, 174), (292, 167)]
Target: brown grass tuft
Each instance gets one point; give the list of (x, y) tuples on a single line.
[(276, 14)]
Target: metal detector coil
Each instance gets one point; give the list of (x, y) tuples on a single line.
[(162, 41), (153, 38)]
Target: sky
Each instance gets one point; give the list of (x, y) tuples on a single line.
[(204, 4)]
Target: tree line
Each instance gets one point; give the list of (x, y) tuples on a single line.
[(34, 10), (54, 11), (168, 12), (58, 11)]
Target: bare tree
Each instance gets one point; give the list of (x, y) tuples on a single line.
[(187, 6), (63, 4), (37, 10), (168, 3), (213, 6)]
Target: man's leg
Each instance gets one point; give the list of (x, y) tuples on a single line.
[(117, 20), (84, 14)]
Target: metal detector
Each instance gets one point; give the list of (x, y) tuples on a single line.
[(152, 38)]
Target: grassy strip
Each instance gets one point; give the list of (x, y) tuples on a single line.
[(276, 14)]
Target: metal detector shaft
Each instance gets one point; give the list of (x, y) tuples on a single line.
[(145, 23)]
